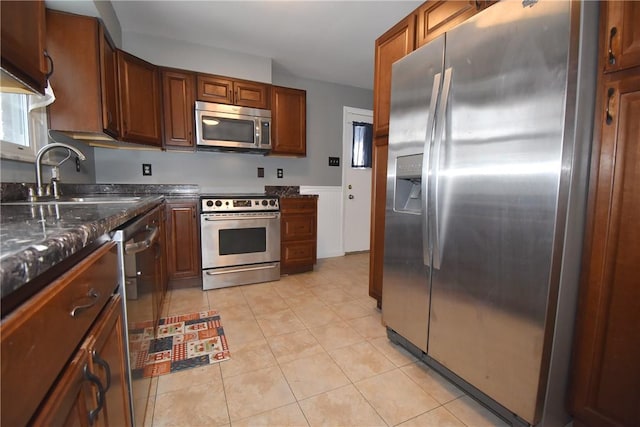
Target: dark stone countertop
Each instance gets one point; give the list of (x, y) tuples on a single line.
[(291, 191), (36, 237)]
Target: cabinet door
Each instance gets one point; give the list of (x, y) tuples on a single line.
[(436, 17), (607, 348), (139, 100), (391, 46), (178, 92), (73, 42), (183, 243), (109, 85), (70, 400), (622, 34), (251, 94), (23, 41), (106, 348), (215, 89), (289, 121), (378, 203)]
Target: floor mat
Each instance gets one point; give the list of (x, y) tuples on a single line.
[(181, 342)]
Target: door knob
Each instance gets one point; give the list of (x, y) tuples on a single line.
[(351, 196)]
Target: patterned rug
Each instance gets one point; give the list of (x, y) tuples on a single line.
[(181, 342)]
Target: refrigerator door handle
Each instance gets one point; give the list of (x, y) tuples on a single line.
[(439, 132), (424, 182)]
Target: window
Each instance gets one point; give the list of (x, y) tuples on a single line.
[(361, 145), (23, 125)]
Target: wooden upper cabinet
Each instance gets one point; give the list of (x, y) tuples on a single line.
[(391, 46), (251, 94), (23, 42), (140, 106), (436, 17), (109, 84), (178, 98), (85, 75), (225, 90), (289, 121), (621, 47), (215, 89)]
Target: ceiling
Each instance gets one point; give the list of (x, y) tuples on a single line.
[(331, 41)]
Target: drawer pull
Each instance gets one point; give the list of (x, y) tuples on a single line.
[(77, 310), (93, 414), (107, 370)]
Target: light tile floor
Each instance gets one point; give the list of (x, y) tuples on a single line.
[(308, 350)]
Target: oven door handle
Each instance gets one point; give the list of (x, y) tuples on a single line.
[(134, 248), (239, 270), (240, 217)]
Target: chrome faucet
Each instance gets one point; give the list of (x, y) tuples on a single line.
[(39, 188)]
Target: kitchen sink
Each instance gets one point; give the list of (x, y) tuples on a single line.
[(67, 200)]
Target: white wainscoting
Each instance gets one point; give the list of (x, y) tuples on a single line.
[(329, 220)]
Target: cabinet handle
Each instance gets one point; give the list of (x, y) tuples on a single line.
[(50, 59), (478, 4), (610, 93), (77, 310), (612, 56), (100, 361), (93, 414)]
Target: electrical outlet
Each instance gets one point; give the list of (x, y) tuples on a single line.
[(280, 173), (146, 169), (260, 172), (334, 161)]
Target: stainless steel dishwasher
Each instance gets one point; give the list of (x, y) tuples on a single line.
[(140, 255)]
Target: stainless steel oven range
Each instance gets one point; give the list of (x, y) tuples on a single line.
[(240, 236)]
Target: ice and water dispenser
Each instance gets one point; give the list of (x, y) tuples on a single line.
[(408, 185)]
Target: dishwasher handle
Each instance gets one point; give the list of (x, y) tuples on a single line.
[(135, 247)]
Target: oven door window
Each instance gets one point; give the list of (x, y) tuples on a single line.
[(242, 241), (223, 129)]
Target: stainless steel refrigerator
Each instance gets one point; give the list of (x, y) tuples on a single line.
[(489, 142)]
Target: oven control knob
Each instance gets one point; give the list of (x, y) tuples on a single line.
[(218, 203), (272, 202), (209, 203), (264, 203)]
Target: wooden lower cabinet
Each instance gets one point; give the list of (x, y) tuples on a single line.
[(378, 204), (71, 326), (606, 377), (298, 234), (93, 390), (183, 243)]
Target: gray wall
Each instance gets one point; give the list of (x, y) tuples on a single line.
[(238, 171), (14, 171)]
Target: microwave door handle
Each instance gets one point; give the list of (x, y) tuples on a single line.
[(258, 124)]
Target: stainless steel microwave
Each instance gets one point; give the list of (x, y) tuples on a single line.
[(222, 127)]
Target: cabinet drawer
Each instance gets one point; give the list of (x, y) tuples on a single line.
[(298, 253), (40, 336), (298, 227), (298, 205)]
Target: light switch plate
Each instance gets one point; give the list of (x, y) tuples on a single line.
[(334, 161), (280, 173), (146, 169)]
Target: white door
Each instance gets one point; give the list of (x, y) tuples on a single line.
[(356, 187)]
